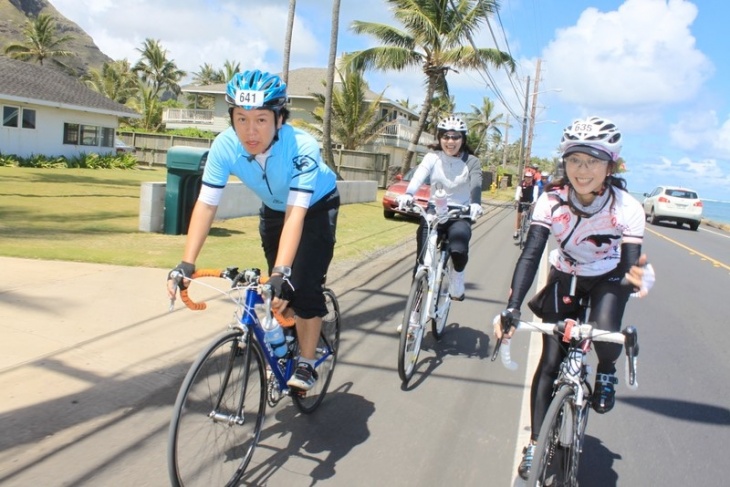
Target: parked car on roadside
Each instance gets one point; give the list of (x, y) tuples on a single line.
[(390, 206), (673, 203), (121, 148)]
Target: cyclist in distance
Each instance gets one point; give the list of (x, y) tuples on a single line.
[(599, 230), (452, 166), (525, 194), (282, 165)]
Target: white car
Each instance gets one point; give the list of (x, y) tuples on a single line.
[(673, 203), (121, 148)]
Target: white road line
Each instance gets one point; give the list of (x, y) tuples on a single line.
[(533, 356)]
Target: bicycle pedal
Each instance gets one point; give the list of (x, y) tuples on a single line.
[(295, 391)]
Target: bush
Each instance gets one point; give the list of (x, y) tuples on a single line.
[(83, 160)]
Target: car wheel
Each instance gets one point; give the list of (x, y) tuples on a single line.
[(388, 214), (694, 225), (653, 219)]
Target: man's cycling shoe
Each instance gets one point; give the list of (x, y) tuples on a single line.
[(604, 393), (303, 378)]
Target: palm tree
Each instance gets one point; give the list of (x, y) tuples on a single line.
[(484, 122), (154, 68), (41, 42), (355, 120), (327, 127), (436, 37), (287, 40), (148, 104), (115, 80), (229, 69), (441, 107), (208, 75)]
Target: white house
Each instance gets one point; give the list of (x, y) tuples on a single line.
[(301, 84), (45, 111)]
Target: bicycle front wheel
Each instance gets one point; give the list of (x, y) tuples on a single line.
[(557, 451), (524, 227), (326, 355), (218, 413), (412, 330), (442, 298)]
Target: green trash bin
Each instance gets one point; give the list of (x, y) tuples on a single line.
[(184, 178)]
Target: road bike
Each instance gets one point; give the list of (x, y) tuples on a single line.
[(220, 407), (525, 217), (428, 299), (560, 441)]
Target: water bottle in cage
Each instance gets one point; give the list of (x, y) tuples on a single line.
[(440, 201)]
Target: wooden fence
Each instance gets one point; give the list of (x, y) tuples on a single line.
[(151, 150)]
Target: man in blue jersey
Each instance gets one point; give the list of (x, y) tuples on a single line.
[(284, 167)]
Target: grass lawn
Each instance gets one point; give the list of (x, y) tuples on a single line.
[(93, 216)]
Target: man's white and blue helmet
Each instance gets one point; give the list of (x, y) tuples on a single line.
[(256, 89)]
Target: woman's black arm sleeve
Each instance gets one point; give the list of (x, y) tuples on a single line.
[(527, 264), (630, 253)]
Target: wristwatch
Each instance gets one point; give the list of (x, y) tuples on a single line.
[(284, 270)]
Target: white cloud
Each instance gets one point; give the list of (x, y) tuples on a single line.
[(702, 132), (641, 54)]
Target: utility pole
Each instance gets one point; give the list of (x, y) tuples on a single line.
[(521, 162), (506, 141), (532, 114)]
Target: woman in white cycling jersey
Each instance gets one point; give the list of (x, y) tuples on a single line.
[(453, 167), (598, 228)]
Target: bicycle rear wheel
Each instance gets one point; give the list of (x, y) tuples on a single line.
[(557, 451), (443, 298), (329, 342), (218, 413), (413, 329)]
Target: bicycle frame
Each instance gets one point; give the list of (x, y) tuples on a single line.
[(433, 265), (281, 368)]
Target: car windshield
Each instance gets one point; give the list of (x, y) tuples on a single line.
[(409, 176), (680, 193)]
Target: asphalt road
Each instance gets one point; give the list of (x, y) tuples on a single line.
[(91, 362)]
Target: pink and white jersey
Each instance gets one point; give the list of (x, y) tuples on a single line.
[(589, 246)]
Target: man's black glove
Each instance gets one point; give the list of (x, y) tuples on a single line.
[(184, 270), (281, 287)]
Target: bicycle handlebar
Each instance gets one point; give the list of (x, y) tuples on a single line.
[(455, 212), (245, 278), (572, 330)]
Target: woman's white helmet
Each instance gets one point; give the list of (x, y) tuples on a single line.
[(451, 123), (595, 136)]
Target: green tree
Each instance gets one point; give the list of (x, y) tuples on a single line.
[(41, 42), (436, 37), (485, 123), (146, 102), (229, 69), (355, 121), (155, 69), (115, 80), (441, 107)]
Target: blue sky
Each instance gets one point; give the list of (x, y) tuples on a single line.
[(652, 66)]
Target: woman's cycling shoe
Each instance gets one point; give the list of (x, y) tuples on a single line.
[(604, 393)]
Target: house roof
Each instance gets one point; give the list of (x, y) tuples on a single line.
[(302, 83), (26, 82)]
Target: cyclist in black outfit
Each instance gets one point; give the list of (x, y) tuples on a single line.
[(525, 195), (599, 228)]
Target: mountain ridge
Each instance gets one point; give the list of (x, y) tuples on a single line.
[(13, 17)]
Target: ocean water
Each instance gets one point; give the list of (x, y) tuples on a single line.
[(717, 211)]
